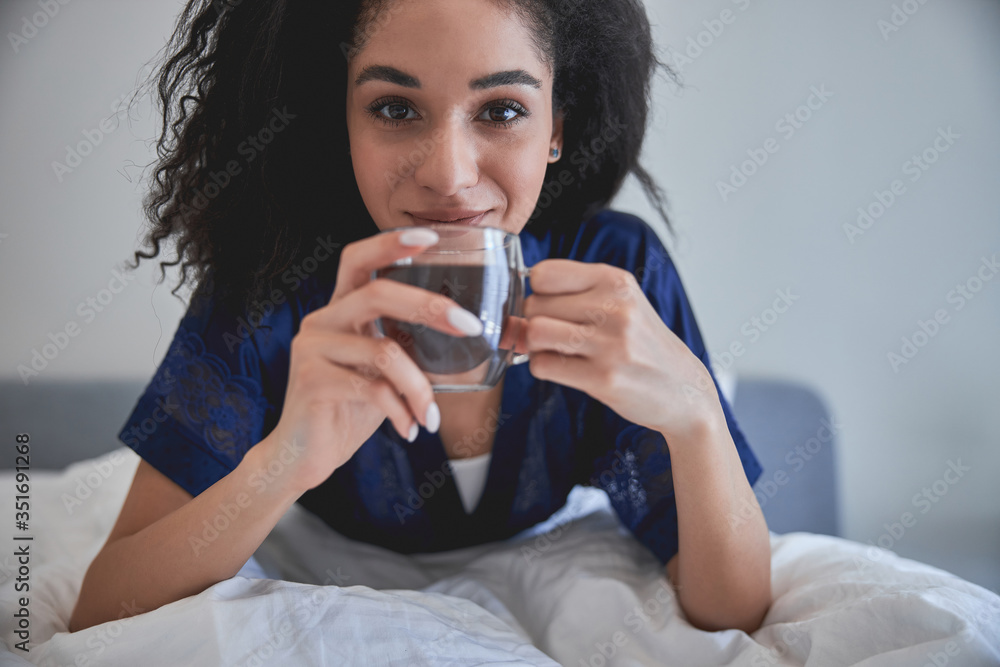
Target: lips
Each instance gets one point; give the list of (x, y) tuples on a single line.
[(448, 216)]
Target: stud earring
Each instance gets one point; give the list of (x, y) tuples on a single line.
[(555, 152)]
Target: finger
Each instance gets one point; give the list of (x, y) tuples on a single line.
[(571, 371), (407, 303), (567, 276), (376, 361), (383, 394), (545, 334), (513, 335), (594, 306), (359, 259)]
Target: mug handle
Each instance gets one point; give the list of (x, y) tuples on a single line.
[(516, 357)]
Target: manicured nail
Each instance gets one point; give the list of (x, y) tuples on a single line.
[(433, 417), (418, 237), (465, 322), (414, 430)]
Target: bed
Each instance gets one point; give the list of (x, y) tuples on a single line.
[(576, 590)]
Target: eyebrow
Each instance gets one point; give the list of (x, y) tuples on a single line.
[(516, 77), (389, 74)]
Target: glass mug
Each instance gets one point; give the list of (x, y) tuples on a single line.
[(481, 269)]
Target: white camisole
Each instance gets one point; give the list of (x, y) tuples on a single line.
[(470, 478)]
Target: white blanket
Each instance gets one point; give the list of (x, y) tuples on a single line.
[(577, 591)]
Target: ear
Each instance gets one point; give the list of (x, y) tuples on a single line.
[(557, 136)]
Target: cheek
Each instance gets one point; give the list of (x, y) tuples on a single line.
[(521, 177), (370, 164)]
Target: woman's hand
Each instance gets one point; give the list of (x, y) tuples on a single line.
[(589, 326), (343, 382)]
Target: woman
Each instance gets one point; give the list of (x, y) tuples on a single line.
[(294, 133)]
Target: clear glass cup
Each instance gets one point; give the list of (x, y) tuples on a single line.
[(482, 269)]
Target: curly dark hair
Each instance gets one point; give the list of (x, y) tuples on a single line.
[(244, 198)]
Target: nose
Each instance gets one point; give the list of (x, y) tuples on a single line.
[(451, 163)]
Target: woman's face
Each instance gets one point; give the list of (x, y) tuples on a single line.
[(449, 113)]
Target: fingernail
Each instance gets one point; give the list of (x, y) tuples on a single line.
[(433, 419), (465, 322), (418, 237), (414, 430)]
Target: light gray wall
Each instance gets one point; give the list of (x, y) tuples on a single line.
[(65, 237), (782, 230)]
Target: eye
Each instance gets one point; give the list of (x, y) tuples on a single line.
[(500, 114), (396, 111), (503, 113), (392, 111)]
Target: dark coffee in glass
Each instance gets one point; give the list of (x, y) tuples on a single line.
[(481, 269)]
